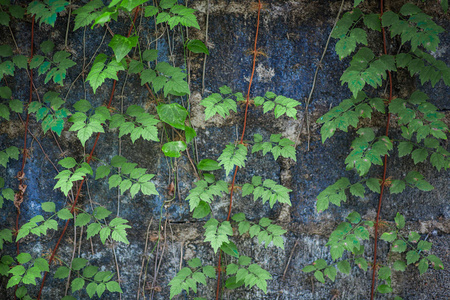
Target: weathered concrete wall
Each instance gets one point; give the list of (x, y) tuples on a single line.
[(292, 35)]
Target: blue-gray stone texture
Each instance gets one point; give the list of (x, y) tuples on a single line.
[(292, 36)]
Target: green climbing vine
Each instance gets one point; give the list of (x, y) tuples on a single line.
[(422, 132), (168, 122)]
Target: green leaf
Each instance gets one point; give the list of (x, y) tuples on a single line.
[(102, 172), (82, 219), (5, 92), (47, 47), (436, 262), (397, 186), (23, 258), (68, 162), (91, 289), (424, 246), (419, 155), (399, 265), (373, 184), (354, 217), (48, 206), (197, 46), (122, 45), (399, 221), (357, 190), (5, 50), (384, 289), (208, 165), (64, 214), (172, 114), (319, 276), (230, 249), (389, 236), (173, 149), (344, 267), (113, 286), (399, 246), (423, 266), (202, 210), (233, 155), (101, 213), (62, 272), (77, 284)]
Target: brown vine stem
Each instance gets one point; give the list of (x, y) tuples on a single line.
[(247, 102), (82, 181), (383, 180), (18, 197)]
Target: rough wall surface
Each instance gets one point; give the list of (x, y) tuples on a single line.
[(292, 36)]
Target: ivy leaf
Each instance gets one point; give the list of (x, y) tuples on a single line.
[(419, 155), (113, 286), (122, 45), (77, 284), (319, 276), (46, 12), (68, 162), (172, 114), (233, 155), (412, 256), (101, 71), (397, 186), (373, 184), (357, 190), (48, 206), (217, 234), (399, 221), (423, 265), (173, 149), (344, 267), (197, 46), (208, 165)]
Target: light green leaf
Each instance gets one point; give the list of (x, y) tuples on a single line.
[(122, 45)]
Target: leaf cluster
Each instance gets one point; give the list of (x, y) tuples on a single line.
[(67, 177), (279, 104), (116, 229), (26, 271), (97, 281), (188, 277), (87, 120), (348, 113), (9, 11), (137, 123), (367, 150), (276, 145), (414, 26), (202, 195), (247, 274), (233, 155), (268, 190), (264, 230), (222, 103), (56, 68), (51, 113), (46, 11), (103, 68), (400, 244), (13, 105), (173, 13), (128, 177)]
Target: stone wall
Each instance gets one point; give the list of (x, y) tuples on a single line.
[(292, 37)]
